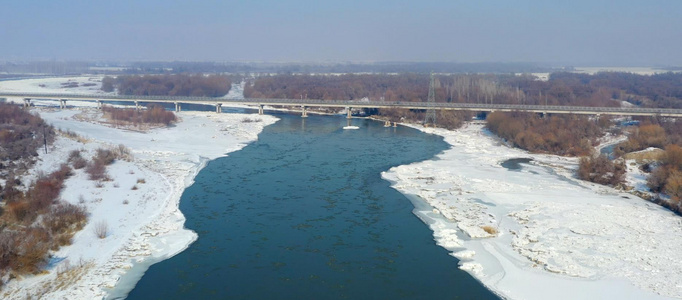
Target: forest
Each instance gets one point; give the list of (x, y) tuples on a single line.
[(568, 135), (601, 89), (197, 85)]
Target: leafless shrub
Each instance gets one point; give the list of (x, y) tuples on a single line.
[(101, 229), (73, 154), (249, 120), (96, 170), (64, 217), (105, 156), (122, 152), (141, 180), (79, 163), (134, 188), (125, 202)]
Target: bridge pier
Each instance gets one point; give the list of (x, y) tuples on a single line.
[(260, 109), (219, 107), (177, 107), (349, 112), (62, 104), (304, 113), (99, 104), (137, 105), (27, 102)]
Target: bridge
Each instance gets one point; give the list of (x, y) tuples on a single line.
[(304, 104)]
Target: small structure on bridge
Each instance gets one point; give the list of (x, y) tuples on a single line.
[(431, 112)]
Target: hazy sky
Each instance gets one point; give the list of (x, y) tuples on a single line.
[(578, 32)]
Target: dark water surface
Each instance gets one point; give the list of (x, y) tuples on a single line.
[(514, 164), (304, 214)]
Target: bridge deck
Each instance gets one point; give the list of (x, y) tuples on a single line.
[(634, 111)]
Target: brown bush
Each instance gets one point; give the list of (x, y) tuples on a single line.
[(673, 186), (559, 134), (96, 170), (64, 217), (601, 170), (673, 157), (154, 114), (105, 156), (658, 178), (29, 250), (79, 163), (73, 154), (20, 211), (44, 193)]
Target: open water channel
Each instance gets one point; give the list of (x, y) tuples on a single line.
[(304, 214)]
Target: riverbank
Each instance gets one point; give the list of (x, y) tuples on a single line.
[(553, 237), (140, 203)]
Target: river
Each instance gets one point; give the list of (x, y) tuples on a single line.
[(304, 214)]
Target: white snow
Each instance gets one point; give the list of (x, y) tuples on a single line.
[(559, 238), (144, 222), (54, 85)]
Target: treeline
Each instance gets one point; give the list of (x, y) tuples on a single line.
[(406, 87), (570, 135), (21, 135), (448, 119), (602, 89), (658, 90), (154, 114), (197, 85)]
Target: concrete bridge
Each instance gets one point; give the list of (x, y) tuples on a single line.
[(304, 104)]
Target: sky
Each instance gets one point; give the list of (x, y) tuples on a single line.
[(576, 32)]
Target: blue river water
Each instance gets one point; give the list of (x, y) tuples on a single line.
[(303, 213)]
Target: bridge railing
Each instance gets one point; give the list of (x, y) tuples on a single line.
[(346, 103)]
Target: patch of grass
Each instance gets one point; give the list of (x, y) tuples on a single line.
[(490, 229), (645, 155)]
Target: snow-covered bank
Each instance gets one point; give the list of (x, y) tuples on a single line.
[(559, 238), (140, 203)]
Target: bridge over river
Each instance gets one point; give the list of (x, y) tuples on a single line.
[(304, 104)]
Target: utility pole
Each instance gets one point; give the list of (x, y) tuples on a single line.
[(431, 112), (45, 139)]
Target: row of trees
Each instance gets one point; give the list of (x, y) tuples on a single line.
[(570, 135), (154, 114), (198, 85), (663, 90)]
